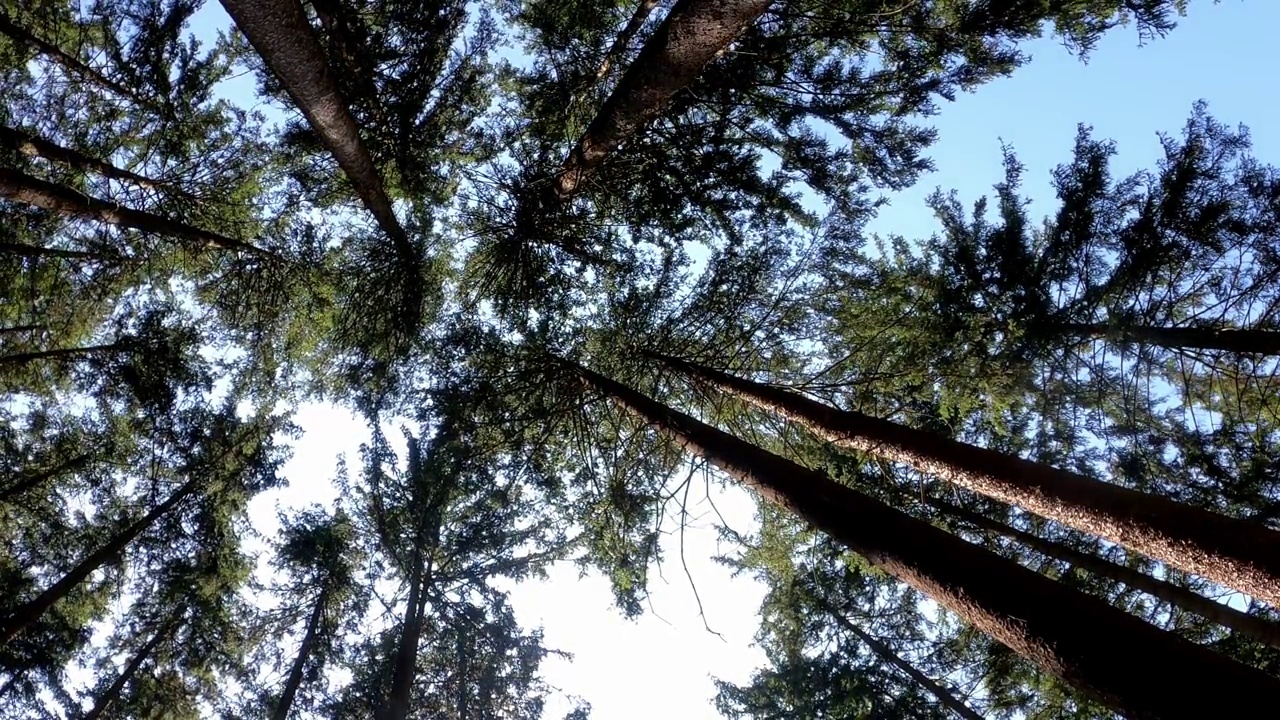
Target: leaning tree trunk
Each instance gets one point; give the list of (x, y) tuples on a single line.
[(1231, 552), (35, 479), (35, 251), (623, 40), (9, 27), (885, 653), (29, 612), (25, 188), (35, 146), (1259, 628), (58, 354), (112, 694), (1091, 645), (282, 36), (1262, 342), (692, 35), (285, 703)]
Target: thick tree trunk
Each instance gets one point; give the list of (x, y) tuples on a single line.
[(282, 36), (1258, 628), (34, 146), (25, 188), (406, 664), (58, 354), (30, 611), (285, 703), (1231, 552), (692, 35), (112, 694), (22, 35), (35, 479), (623, 40), (1262, 342), (884, 652), (34, 251), (1090, 644)]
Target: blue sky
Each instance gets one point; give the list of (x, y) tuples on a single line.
[(662, 665)]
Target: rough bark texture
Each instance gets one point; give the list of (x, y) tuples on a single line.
[(1231, 552), (693, 33), (35, 479), (1263, 342), (285, 703), (282, 36), (112, 694), (1258, 628), (623, 40), (944, 696), (30, 611), (9, 27), (24, 188), (58, 354), (33, 146), (1138, 670)]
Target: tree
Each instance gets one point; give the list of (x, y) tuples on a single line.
[(1067, 633)]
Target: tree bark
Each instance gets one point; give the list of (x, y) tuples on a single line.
[(112, 694), (9, 27), (406, 664), (1262, 342), (884, 652), (623, 40), (19, 328), (30, 611), (281, 34), (30, 251), (58, 354), (25, 188), (1260, 629), (34, 479), (692, 35), (285, 703), (1088, 643), (34, 146), (1234, 553)]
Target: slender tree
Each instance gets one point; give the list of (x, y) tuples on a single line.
[(1238, 340), (624, 38), (25, 188), (35, 146), (1234, 553), (13, 29), (693, 33), (34, 479), (104, 702), (282, 36), (1083, 640)]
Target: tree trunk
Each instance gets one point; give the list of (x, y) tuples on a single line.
[(406, 664), (282, 36), (34, 479), (692, 35), (22, 35), (1234, 553), (58, 354), (34, 146), (112, 694), (1260, 629), (33, 251), (24, 188), (1088, 643), (623, 40), (30, 611), (884, 652), (1262, 342), (20, 328), (285, 703)]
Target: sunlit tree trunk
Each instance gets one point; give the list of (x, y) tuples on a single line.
[(1234, 553), (1088, 643), (281, 34), (25, 188), (29, 612), (623, 40), (34, 146), (693, 33), (1262, 342), (1260, 629)]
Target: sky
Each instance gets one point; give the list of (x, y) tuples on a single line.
[(662, 665)]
